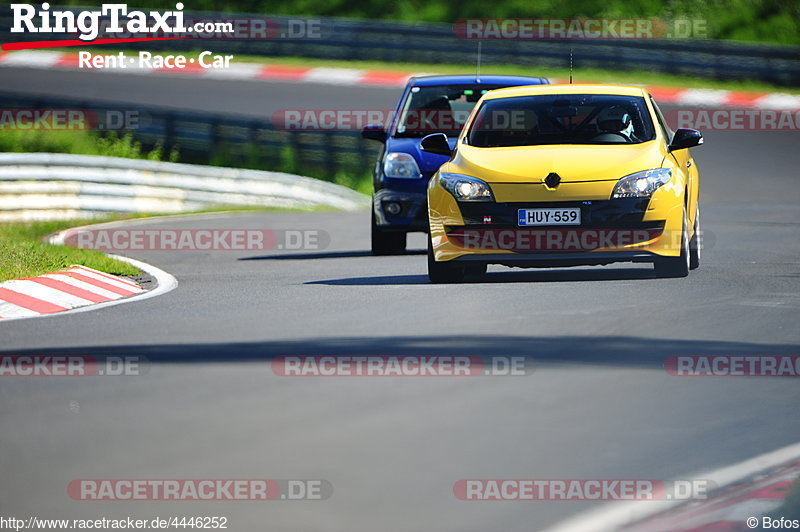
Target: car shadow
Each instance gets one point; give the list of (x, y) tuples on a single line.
[(326, 255), (548, 276), (625, 351)]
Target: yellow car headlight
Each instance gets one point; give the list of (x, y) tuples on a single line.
[(641, 184), (465, 188)]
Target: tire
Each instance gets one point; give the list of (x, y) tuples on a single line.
[(387, 242), (475, 269), (694, 243), (443, 272), (672, 267)]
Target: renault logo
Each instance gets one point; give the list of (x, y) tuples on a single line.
[(552, 180)]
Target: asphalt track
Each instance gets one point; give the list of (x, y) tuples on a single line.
[(598, 404)]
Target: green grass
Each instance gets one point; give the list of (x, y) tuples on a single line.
[(89, 142), (23, 253), (593, 75), (82, 142)]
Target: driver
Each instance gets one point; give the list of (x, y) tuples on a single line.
[(615, 119)]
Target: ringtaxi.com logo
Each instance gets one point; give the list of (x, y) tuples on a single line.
[(87, 23), (117, 22), (199, 490), (581, 489), (400, 366), (70, 365), (197, 239)]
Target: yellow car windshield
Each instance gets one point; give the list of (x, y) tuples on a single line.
[(561, 119)]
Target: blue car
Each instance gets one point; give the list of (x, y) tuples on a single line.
[(430, 104)]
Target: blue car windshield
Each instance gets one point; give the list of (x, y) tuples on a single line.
[(439, 109), (561, 119)]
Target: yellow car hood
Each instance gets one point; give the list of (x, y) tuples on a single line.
[(574, 163)]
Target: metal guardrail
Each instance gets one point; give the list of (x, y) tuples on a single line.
[(55, 186), (204, 138), (436, 43)]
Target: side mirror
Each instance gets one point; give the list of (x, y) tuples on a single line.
[(436, 143), (374, 132), (685, 138)]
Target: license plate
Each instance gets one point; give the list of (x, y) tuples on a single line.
[(563, 216)]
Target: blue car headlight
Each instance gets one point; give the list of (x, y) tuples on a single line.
[(641, 184), (465, 188), (401, 165)]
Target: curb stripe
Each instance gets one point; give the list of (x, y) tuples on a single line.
[(287, 73), (62, 277), (77, 289), (31, 303), (69, 289), (743, 99), (99, 280), (74, 289), (45, 293), (380, 77), (10, 310), (336, 76), (107, 276), (111, 288)]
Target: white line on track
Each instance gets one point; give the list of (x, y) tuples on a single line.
[(617, 515)]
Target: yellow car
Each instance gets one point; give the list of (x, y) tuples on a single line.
[(564, 175)]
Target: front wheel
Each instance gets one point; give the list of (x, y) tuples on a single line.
[(443, 272), (387, 242), (675, 266), (695, 243)]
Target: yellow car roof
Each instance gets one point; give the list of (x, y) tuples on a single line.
[(535, 90)]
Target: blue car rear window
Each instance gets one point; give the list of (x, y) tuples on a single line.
[(438, 109)]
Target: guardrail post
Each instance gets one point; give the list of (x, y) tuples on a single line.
[(169, 132)]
